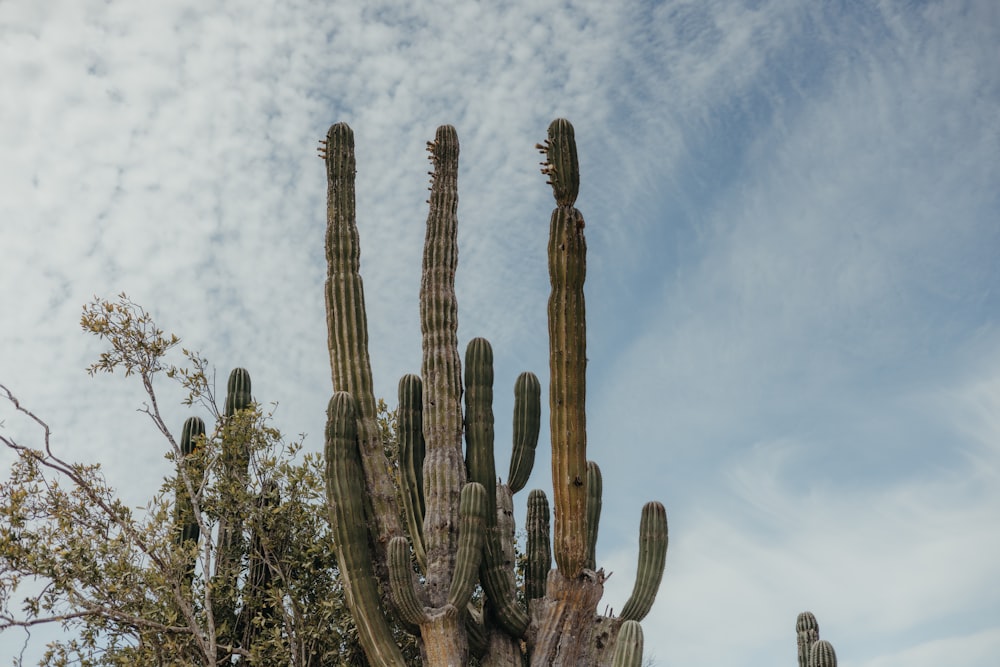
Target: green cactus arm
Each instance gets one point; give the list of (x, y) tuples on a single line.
[(401, 580), (444, 467), (538, 550), (527, 423), (231, 545), (347, 336), (652, 557), (628, 646), (345, 493), (192, 434), (479, 421), (472, 511), (567, 393), (821, 654), (238, 392), (806, 634), (410, 439), (561, 164), (595, 487)]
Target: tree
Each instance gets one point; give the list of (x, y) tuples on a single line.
[(232, 559), (457, 515)]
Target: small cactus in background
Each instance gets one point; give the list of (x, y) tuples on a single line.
[(812, 651), (822, 655), (458, 520)]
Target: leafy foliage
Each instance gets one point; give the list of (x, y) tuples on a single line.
[(120, 582)]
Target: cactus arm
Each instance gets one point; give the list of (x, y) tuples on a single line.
[(821, 654), (235, 459), (527, 423), (347, 336), (561, 164), (479, 422), (652, 557), (444, 468), (410, 439), (567, 394), (345, 490), (538, 549), (628, 647), (500, 590), (806, 634), (472, 512), (595, 487), (401, 580), (191, 434)]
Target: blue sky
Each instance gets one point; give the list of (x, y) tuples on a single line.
[(792, 218)]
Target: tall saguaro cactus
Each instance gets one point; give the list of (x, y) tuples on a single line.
[(457, 513)]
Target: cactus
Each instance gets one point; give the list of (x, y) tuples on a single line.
[(188, 530), (231, 547), (345, 491), (812, 651), (595, 487), (821, 654), (652, 556), (567, 359), (806, 634), (410, 441), (458, 514), (538, 550), (628, 647), (527, 421), (192, 433)]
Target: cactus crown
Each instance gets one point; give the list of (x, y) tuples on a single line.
[(238, 392), (806, 621), (561, 164)]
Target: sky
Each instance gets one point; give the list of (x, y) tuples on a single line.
[(793, 293)]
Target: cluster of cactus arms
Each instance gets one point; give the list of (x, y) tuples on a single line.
[(813, 651), (241, 577), (456, 530)]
